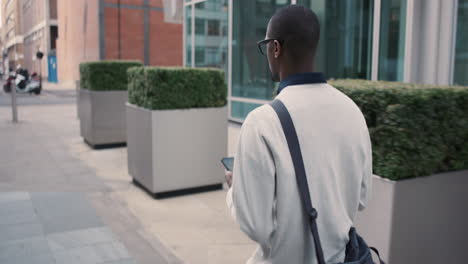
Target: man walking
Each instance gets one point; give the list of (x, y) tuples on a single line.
[(334, 139)]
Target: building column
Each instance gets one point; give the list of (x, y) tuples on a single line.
[(45, 60), (448, 28), (432, 42)]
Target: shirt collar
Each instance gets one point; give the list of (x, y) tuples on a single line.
[(302, 78)]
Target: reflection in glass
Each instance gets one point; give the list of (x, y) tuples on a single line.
[(345, 47), (188, 36), (461, 50), (250, 73), (392, 40), (211, 40), (199, 24)]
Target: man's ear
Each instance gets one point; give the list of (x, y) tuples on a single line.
[(278, 49)]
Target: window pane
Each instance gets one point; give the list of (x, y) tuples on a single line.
[(250, 73), (188, 36), (240, 110), (210, 42), (392, 40), (199, 57), (461, 51), (213, 27), (199, 24), (345, 47)]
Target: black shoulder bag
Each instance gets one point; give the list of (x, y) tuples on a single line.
[(357, 251)]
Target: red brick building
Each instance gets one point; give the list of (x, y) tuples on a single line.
[(116, 29)]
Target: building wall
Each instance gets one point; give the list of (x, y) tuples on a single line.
[(131, 24), (12, 33), (11, 7), (53, 9), (82, 37), (33, 13), (165, 42), (33, 43), (13, 60), (142, 33), (36, 38), (78, 38)]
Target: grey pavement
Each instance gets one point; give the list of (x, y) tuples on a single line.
[(63, 202), (47, 97), (50, 227), (54, 208)]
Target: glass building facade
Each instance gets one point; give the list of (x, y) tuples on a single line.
[(251, 83), (392, 40), (461, 50), (364, 39), (208, 47), (345, 48)]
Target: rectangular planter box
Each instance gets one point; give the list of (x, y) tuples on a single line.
[(77, 89), (173, 152), (102, 117), (420, 220)]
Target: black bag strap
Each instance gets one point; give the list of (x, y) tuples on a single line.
[(378, 254), (295, 150)]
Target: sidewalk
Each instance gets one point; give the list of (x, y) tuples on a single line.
[(51, 94), (69, 85), (44, 156)]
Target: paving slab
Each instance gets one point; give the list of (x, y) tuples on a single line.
[(45, 258), (19, 231), (49, 157), (60, 212), (80, 238), (14, 196), (23, 247), (17, 212)]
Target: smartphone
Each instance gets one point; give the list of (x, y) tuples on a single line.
[(228, 163)]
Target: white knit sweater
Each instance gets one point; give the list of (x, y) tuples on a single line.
[(337, 155)]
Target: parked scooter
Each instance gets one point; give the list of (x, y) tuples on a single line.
[(8, 82), (24, 84)]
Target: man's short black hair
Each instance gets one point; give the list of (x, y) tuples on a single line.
[(299, 28)]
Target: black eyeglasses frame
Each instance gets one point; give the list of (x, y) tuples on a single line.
[(266, 41)]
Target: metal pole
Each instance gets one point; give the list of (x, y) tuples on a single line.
[(376, 41), (40, 73), (14, 108)]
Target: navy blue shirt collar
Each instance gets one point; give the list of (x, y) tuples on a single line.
[(302, 78)]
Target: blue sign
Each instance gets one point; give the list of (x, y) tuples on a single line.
[(52, 66)]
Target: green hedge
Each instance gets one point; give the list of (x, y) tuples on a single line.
[(157, 88), (105, 75), (416, 130)]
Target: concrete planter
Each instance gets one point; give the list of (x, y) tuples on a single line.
[(77, 89), (421, 220), (102, 117), (172, 152)]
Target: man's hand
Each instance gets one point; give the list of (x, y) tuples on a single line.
[(228, 175)]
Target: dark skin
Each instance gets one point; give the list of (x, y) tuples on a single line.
[(280, 62), (281, 66)]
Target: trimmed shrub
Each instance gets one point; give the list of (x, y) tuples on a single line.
[(416, 130), (105, 75), (156, 88)]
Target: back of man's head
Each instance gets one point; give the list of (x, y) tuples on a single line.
[(299, 28)]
